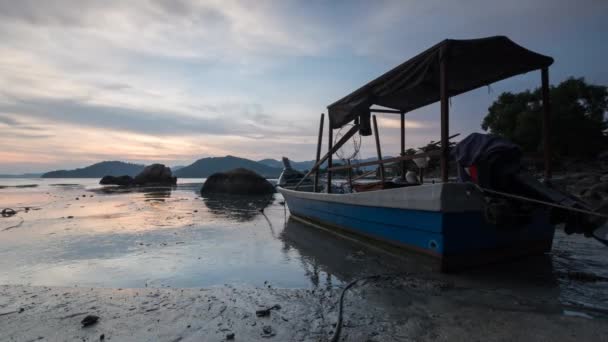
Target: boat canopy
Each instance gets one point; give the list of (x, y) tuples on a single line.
[(415, 83)]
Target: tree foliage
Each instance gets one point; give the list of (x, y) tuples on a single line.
[(578, 118)]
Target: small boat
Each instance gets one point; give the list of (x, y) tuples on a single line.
[(458, 223), (291, 177)]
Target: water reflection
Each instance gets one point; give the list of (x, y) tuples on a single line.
[(239, 208), (328, 259), (156, 192)]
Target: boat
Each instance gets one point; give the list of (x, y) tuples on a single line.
[(291, 177), (458, 223)]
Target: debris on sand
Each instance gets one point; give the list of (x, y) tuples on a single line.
[(267, 331), (266, 312), (7, 212), (89, 320)]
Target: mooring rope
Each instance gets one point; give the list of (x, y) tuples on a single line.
[(336, 335)]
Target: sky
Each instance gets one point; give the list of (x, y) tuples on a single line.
[(173, 81)]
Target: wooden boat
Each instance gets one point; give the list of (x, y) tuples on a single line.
[(450, 221)]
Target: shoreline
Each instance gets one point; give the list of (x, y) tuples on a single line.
[(400, 309)]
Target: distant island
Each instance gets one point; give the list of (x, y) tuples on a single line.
[(98, 170), (205, 167), (23, 175), (302, 165), (202, 168)]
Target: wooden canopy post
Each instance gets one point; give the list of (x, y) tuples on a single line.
[(445, 116), (402, 145), (350, 174), (319, 143), (378, 147), (330, 142), (546, 122)]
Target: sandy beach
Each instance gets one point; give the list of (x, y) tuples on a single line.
[(403, 309)]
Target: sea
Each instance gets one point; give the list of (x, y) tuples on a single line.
[(75, 232)]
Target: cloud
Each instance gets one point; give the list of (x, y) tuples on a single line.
[(180, 79)]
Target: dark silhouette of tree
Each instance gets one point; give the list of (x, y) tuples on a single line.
[(578, 118)]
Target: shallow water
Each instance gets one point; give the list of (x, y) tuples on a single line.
[(77, 233)]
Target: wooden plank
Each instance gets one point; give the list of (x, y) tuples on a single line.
[(364, 175), (330, 151), (445, 115), (402, 145), (378, 149), (386, 161), (387, 111), (350, 175), (546, 122), (319, 144)]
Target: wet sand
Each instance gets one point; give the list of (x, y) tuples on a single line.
[(399, 310)]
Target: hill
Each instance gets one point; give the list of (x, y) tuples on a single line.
[(303, 165), (205, 167), (308, 164), (98, 170)]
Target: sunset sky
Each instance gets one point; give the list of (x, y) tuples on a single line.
[(177, 80)]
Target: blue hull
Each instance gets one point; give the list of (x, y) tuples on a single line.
[(458, 239)]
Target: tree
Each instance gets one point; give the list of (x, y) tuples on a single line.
[(578, 118)]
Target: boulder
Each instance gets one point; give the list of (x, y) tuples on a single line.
[(121, 180), (155, 174), (238, 181)]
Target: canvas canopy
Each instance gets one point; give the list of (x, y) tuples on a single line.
[(470, 64)]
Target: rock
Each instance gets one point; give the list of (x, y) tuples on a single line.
[(266, 312), (89, 320), (121, 180), (230, 336), (155, 174), (267, 331), (7, 212), (238, 181)]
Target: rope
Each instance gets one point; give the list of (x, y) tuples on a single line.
[(336, 336), (522, 198)]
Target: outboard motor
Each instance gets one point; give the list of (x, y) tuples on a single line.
[(494, 163)]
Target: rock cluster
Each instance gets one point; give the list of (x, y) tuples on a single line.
[(592, 187), (120, 180), (155, 174), (238, 181)]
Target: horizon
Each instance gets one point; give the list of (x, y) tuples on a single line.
[(176, 81), (141, 164), (153, 162)]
